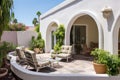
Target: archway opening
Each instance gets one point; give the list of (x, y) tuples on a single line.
[(50, 37), (116, 37), (84, 35)]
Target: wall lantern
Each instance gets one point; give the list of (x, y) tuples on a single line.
[(106, 11)]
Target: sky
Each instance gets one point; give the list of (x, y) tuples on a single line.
[(25, 10)]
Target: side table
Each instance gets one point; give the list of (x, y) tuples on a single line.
[(55, 62)]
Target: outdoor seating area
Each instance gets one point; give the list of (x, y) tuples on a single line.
[(45, 64), (57, 44)]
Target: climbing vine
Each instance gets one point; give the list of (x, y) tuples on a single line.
[(60, 34)]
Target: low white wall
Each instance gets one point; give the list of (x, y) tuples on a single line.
[(24, 37), (21, 38), (9, 36), (30, 75)]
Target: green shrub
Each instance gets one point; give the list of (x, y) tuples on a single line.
[(60, 34), (5, 47), (113, 64), (100, 56), (37, 27), (111, 61), (16, 27), (38, 42), (57, 48)]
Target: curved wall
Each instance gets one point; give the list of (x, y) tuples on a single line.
[(30, 75)]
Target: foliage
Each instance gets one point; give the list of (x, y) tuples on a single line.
[(57, 48), (111, 61), (37, 43), (113, 64), (15, 21), (60, 34), (5, 14), (37, 28), (5, 47), (100, 56), (16, 27), (35, 21), (38, 14)]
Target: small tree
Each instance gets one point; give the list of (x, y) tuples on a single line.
[(38, 14), (5, 14), (60, 34), (35, 21), (37, 28)]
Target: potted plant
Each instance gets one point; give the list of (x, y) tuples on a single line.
[(105, 62), (100, 60)]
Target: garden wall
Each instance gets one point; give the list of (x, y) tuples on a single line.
[(21, 38)]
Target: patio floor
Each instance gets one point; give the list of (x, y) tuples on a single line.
[(79, 64)]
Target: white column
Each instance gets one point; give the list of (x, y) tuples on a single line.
[(108, 42)]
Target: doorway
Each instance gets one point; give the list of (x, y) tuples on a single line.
[(77, 37)]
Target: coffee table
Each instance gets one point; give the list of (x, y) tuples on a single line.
[(55, 62)]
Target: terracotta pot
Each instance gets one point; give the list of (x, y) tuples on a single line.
[(37, 50), (3, 72), (100, 68)]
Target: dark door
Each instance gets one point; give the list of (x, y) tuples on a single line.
[(77, 37)]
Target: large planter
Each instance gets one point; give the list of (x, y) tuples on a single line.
[(3, 72), (100, 68)]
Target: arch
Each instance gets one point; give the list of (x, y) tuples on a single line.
[(74, 17), (48, 35), (114, 32)]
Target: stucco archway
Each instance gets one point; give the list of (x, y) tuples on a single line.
[(49, 33), (74, 17), (115, 35)]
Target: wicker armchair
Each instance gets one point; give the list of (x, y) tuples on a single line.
[(66, 52), (35, 62), (20, 53)]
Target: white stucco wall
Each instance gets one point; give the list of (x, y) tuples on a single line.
[(49, 42), (9, 36), (24, 37), (20, 38), (69, 10)]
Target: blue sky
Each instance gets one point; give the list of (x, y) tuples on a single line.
[(25, 10)]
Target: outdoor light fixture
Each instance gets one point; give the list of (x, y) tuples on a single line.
[(106, 11)]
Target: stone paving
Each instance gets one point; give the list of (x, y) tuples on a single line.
[(79, 64)]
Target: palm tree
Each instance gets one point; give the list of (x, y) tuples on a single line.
[(15, 21), (5, 14), (38, 14), (35, 21)]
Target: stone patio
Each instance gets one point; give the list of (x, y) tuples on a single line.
[(79, 64)]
